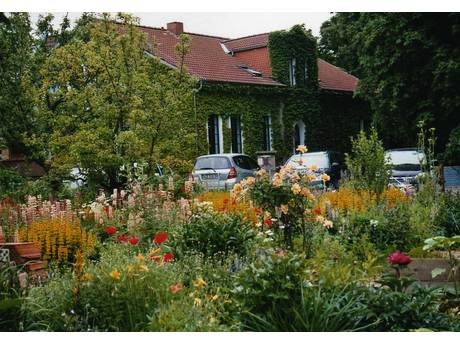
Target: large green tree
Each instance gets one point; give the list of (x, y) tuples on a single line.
[(409, 68), (107, 102), (16, 96)]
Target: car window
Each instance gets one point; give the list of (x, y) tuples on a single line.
[(212, 163), (321, 160), (245, 162)]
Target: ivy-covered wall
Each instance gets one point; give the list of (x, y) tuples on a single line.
[(330, 118)]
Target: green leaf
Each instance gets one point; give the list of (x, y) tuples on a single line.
[(437, 271)]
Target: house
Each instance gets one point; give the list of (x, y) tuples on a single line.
[(264, 93), (11, 159)]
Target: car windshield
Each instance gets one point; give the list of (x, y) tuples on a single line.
[(320, 159), (210, 163), (406, 160), (245, 162)]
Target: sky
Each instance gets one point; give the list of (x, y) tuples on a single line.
[(225, 24)]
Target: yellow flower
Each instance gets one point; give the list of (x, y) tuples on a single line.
[(302, 148), (284, 209), (277, 180), (140, 258), (237, 188), (214, 298), (196, 302), (261, 173), (87, 277), (295, 188), (250, 181), (199, 283), (313, 167), (325, 177), (115, 275), (143, 268)]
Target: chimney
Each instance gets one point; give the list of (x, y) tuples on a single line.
[(176, 28)]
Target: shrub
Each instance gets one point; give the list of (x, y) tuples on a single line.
[(448, 218), (211, 233), (367, 163), (270, 284)]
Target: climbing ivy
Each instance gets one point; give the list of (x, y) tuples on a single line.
[(297, 43), (330, 118)]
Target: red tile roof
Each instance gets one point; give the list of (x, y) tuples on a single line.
[(248, 42), (209, 61), (330, 77)]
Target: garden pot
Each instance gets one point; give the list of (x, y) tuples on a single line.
[(421, 270)]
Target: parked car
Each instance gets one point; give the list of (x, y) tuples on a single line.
[(406, 165), (222, 171), (327, 162)]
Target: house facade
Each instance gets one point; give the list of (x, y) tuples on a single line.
[(264, 93)]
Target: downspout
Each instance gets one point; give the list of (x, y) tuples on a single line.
[(195, 91)]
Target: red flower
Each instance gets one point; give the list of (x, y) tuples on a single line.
[(133, 240), (317, 211), (398, 258), (257, 210), (160, 237), (110, 230), (268, 222), (122, 238), (168, 257)]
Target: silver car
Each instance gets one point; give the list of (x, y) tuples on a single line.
[(222, 171)]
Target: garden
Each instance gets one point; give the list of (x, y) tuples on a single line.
[(273, 254)]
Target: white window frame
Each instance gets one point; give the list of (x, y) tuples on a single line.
[(270, 132), (292, 70)]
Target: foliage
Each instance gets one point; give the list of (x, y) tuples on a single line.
[(271, 282), (128, 292), (452, 153), (10, 298), (211, 233), (367, 164), (448, 217), (16, 64), (398, 57), (10, 181), (138, 102)]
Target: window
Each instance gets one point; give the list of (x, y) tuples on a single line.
[(268, 133), (214, 137), (292, 64), (299, 134), (305, 72), (210, 163), (235, 124), (245, 162)]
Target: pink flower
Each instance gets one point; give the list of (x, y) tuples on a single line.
[(398, 258)]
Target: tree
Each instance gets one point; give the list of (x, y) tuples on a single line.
[(108, 103), (409, 68), (367, 164), (16, 97)]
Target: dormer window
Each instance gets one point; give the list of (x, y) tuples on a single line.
[(292, 64), (251, 71)]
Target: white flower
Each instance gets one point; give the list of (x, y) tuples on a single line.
[(374, 222)]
